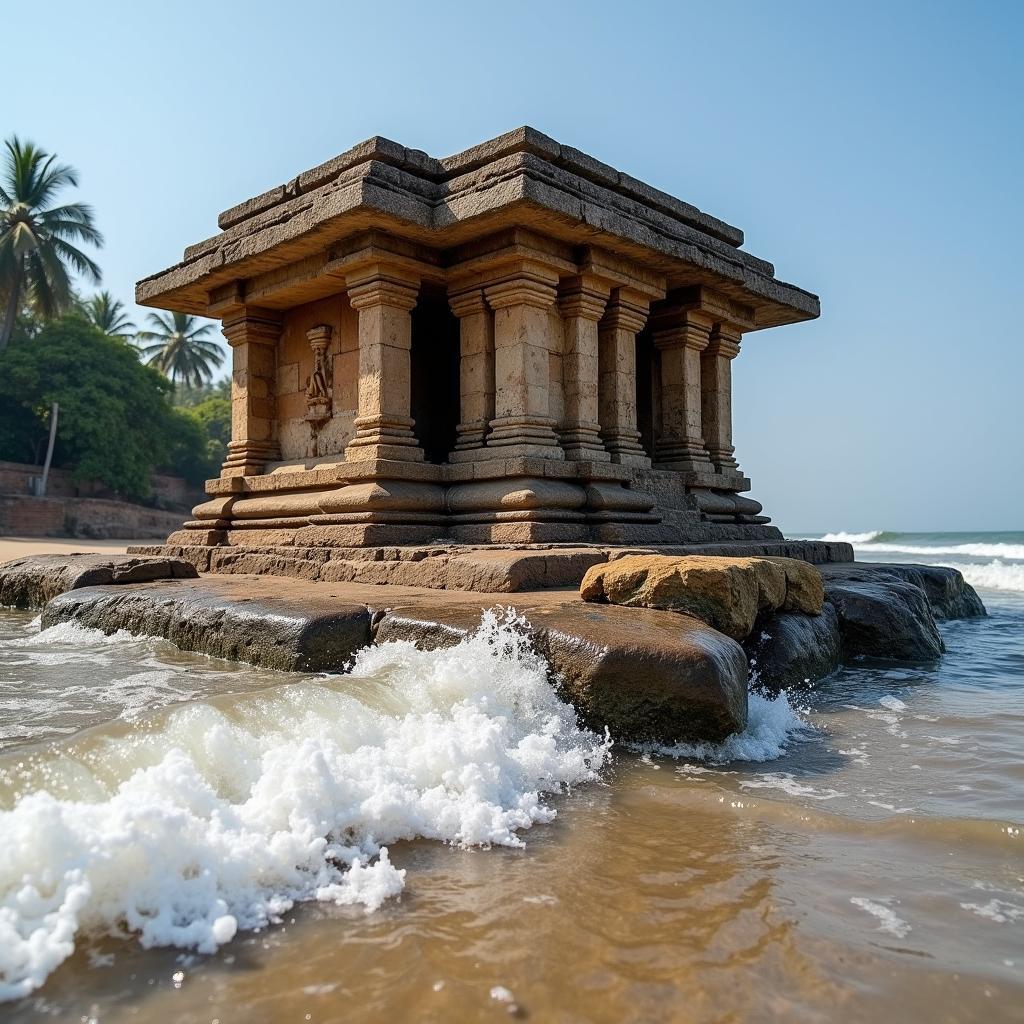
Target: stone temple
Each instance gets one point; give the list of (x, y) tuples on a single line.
[(517, 345)]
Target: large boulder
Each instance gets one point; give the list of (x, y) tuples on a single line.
[(888, 619), (32, 581), (805, 591), (791, 650), (242, 619), (727, 593), (646, 675), (948, 593)]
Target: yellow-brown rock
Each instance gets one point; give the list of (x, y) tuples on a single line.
[(805, 590), (727, 593)]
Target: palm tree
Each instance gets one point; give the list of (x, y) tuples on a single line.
[(179, 348), (108, 314), (36, 237)]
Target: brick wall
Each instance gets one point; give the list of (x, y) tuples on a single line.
[(170, 491), (25, 516)]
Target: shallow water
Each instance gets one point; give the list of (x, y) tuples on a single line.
[(871, 864)]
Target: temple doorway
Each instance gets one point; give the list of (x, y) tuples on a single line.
[(435, 375), (648, 390)]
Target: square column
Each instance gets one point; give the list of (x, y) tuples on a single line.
[(522, 424), (253, 337), (476, 371), (582, 302), (384, 297), (716, 396), (681, 337), (622, 322)]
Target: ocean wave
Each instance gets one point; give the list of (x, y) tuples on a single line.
[(853, 538), (772, 724), (217, 817), (995, 575), (1012, 551), (881, 540)]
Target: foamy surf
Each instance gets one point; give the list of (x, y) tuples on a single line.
[(218, 816), (772, 725)]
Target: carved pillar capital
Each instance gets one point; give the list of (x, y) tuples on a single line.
[(522, 290), (261, 327)]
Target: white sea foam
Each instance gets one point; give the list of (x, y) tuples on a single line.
[(973, 549), (995, 575), (853, 538), (772, 723), (888, 920), (217, 817)]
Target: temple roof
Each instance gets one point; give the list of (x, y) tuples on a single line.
[(521, 179)]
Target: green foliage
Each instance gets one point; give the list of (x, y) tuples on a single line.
[(102, 310), (116, 420), (189, 397), (180, 347), (37, 237), (205, 430)]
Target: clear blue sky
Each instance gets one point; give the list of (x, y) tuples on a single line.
[(873, 151)]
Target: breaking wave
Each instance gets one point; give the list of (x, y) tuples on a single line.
[(853, 538), (207, 819), (996, 575), (772, 724), (881, 541)]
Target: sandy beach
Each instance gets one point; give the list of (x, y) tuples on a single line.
[(19, 547)]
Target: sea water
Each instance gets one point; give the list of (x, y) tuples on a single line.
[(433, 837)]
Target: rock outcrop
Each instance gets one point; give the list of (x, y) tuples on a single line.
[(31, 582), (949, 594), (302, 633), (646, 675), (791, 650), (885, 619), (726, 593)]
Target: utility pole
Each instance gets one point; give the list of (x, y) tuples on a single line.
[(55, 409)]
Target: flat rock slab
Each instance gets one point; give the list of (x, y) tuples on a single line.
[(302, 633), (31, 582), (647, 675)]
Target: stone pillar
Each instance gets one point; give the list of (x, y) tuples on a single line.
[(716, 396), (253, 337), (617, 331), (476, 371), (522, 424), (582, 303), (681, 337), (384, 298)]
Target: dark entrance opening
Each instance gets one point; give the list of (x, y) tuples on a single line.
[(648, 375), (435, 375)]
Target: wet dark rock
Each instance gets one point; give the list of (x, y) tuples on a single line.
[(948, 593), (790, 650), (31, 582), (888, 619), (308, 634), (647, 675)]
